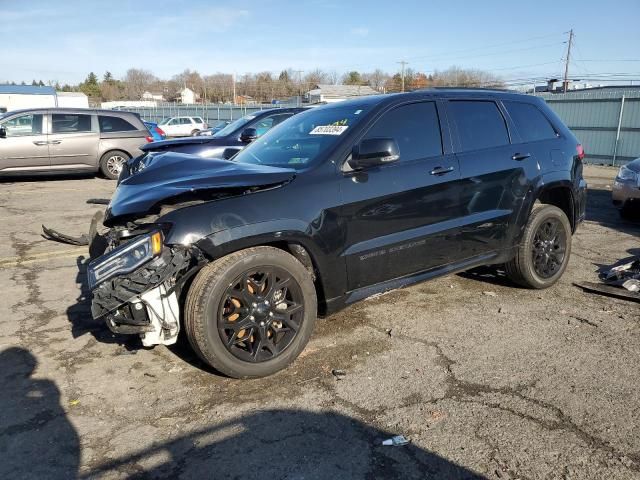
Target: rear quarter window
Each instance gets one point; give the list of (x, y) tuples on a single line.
[(480, 124), (114, 124), (531, 123)]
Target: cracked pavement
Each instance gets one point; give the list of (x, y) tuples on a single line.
[(486, 379)]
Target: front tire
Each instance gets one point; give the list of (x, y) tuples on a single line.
[(111, 163), (250, 314), (544, 252)]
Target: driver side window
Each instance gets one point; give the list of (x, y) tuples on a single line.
[(23, 125)]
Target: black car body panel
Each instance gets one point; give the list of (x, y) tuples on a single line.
[(139, 193), (369, 230)]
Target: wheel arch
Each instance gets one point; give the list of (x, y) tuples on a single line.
[(300, 246)]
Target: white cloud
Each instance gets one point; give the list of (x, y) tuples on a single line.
[(360, 31)]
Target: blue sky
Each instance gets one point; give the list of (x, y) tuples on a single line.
[(65, 40)]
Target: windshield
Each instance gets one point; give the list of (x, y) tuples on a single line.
[(298, 141), (165, 121), (234, 125)]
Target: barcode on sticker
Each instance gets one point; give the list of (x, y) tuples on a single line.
[(328, 130)]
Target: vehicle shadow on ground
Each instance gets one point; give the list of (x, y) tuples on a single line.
[(82, 322), (36, 438), (51, 177), (285, 444)]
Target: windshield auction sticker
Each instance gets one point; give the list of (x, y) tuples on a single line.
[(328, 130)]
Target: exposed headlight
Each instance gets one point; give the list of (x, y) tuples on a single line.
[(125, 258), (627, 174)]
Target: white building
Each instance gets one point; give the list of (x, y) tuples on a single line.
[(158, 97), (72, 100), (187, 96), (15, 97), (337, 93)]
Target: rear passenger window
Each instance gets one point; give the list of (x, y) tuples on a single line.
[(114, 124), (530, 122), (185, 121), (415, 127), (480, 124), (70, 123)]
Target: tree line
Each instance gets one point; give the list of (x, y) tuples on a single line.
[(265, 86)]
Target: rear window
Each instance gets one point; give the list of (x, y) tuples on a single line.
[(70, 123), (114, 124), (480, 124), (530, 122), (197, 120)]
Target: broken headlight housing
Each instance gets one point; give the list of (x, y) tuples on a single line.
[(627, 174), (124, 259)]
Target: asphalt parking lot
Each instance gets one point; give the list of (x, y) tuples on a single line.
[(487, 380)]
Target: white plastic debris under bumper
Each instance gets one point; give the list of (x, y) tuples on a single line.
[(164, 314)]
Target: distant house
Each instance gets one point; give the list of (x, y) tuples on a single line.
[(188, 96), (15, 97), (338, 93), (153, 96), (245, 100)]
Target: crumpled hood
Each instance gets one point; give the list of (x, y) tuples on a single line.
[(172, 174), (178, 142)]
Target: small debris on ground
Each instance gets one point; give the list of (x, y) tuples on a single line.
[(489, 293), (73, 403), (339, 374), (388, 331), (397, 441)]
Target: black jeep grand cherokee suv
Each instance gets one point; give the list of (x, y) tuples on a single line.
[(335, 204)]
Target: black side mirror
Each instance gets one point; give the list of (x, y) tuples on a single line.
[(248, 135), (3, 132), (374, 152)]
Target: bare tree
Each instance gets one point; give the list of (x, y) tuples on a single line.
[(136, 81)]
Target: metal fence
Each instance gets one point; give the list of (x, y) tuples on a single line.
[(210, 113), (607, 122)]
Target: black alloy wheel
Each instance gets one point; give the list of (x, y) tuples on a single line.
[(549, 248), (260, 314)]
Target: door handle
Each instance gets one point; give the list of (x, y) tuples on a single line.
[(55, 142), (40, 143), (520, 156), (441, 170)]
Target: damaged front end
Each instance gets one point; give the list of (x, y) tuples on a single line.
[(136, 287)]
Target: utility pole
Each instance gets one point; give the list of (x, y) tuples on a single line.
[(403, 63), (233, 80), (299, 72), (566, 63)]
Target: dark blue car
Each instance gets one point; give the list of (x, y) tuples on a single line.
[(231, 139)]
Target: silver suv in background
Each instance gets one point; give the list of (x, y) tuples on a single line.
[(66, 140)]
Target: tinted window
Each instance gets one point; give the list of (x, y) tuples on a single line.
[(530, 122), (185, 121), (415, 127), (267, 123), (70, 123), (23, 125), (480, 124), (197, 120), (114, 124)]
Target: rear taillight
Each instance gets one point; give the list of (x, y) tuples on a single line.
[(580, 151), (160, 132), (149, 138)]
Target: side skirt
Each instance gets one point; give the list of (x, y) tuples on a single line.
[(335, 304)]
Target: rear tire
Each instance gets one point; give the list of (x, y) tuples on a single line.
[(111, 163), (544, 252), (195, 132), (226, 310)]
